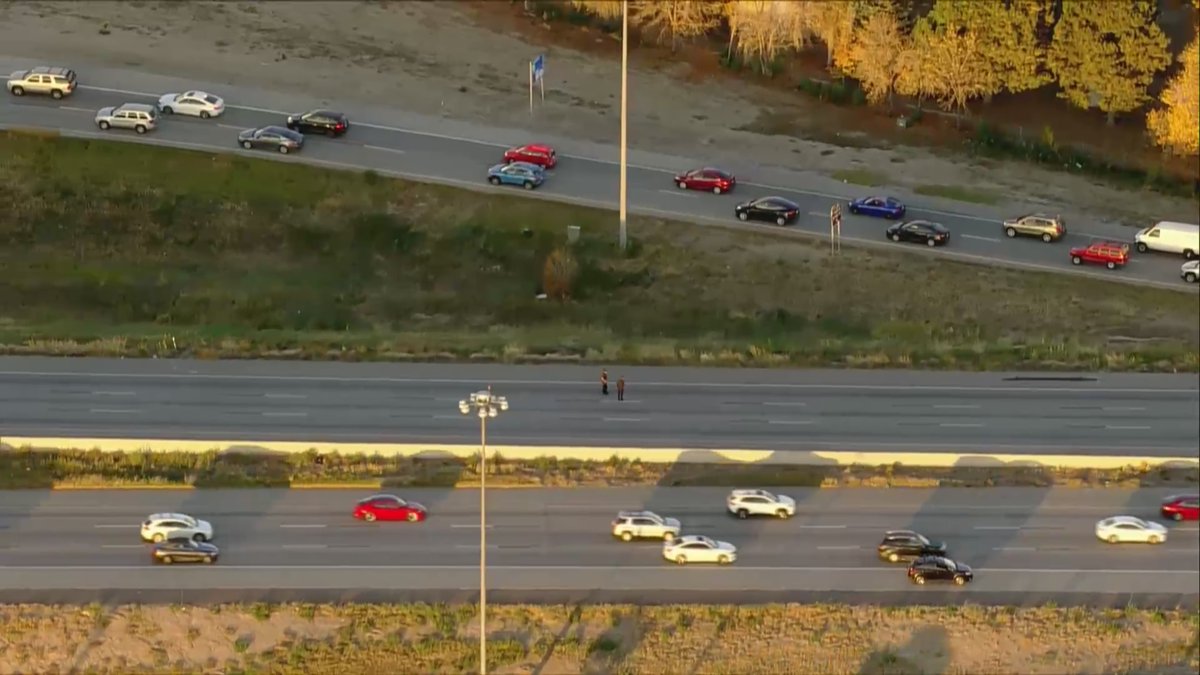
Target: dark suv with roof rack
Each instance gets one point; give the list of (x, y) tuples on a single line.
[(900, 545)]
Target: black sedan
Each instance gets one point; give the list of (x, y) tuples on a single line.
[(900, 545), (325, 122), (275, 138), (937, 568), (185, 551), (919, 231), (772, 209)]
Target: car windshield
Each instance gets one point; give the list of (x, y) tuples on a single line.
[(707, 541), (921, 538)]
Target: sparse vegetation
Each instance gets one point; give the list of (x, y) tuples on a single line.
[(958, 193), (564, 640), (120, 249)]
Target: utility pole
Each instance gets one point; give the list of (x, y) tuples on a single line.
[(624, 113)]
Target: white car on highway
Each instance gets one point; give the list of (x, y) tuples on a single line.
[(159, 527), (746, 503), (1122, 529), (694, 548), (631, 525), (1190, 271), (195, 103)]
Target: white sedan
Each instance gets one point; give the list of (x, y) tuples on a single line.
[(698, 549), (1121, 529), (194, 103)]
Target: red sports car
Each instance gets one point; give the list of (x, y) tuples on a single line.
[(388, 507), (1181, 507), (708, 179), (542, 155)]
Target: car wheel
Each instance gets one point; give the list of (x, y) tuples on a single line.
[(895, 237), (494, 181), (167, 110), (18, 91), (1154, 539), (103, 125), (140, 129), (1191, 279), (56, 94), (1047, 238), (1076, 260), (1142, 248), (1112, 539), (204, 114), (782, 513), (781, 221), (167, 560), (931, 242), (369, 517), (723, 560), (1111, 265), (716, 190), (283, 149), (960, 580), (157, 538), (854, 210), (680, 560), (743, 216), (1011, 232), (919, 580), (528, 185), (208, 559), (743, 514), (199, 537), (247, 145), (1177, 516), (892, 557), (626, 536), (1189, 254), (682, 185)]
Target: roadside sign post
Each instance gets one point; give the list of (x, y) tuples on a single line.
[(835, 228), (537, 71)]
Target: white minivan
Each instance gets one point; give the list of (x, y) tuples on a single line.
[(1170, 238)]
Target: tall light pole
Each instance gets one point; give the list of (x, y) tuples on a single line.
[(485, 405), (624, 107)]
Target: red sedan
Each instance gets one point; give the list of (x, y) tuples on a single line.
[(542, 155), (1181, 507), (388, 507), (708, 179), (1111, 254)]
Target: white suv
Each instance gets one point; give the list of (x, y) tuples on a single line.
[(745, 503), (631, 525), (162, 526), (137, 116)]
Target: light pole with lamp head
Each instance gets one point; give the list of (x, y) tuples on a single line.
[(485, 404)]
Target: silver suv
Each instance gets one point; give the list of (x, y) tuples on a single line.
[(46, 80), (137, 116), (745, 503), (1047, 228), (631, 525)]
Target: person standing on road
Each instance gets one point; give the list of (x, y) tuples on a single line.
[(621, 388), (604, 381)]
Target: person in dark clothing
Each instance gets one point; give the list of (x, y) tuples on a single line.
[(621, 388), (604, 381)]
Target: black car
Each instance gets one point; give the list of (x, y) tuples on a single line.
[(920, 231), (938, 568), (184, 551), (325, 122), (773, 209), (277, 138), (900, 545)]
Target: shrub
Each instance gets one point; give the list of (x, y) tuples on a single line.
[(559, 274)]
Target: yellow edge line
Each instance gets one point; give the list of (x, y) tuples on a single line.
[(120, 486)]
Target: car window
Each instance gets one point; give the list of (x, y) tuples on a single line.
[(1153, 233)]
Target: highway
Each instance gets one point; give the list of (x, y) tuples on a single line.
[(694, 408), (1023, 543), (589, 180)]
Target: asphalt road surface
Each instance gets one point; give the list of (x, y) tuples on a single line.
[(541, 543), (693, 408), (591, 180)]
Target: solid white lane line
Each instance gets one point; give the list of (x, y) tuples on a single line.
[(1015, 548), (114, 411), (1125, 427), (476, 546), (230, 126), (114, 527), (285, 414), (383, 149), (838, 548), (818, 214), (1115, 408), (798, 422), (67, 107), (679, 193), (997, 527), (956, 406), (469, 525), (112, 393), (822, 527), (308, 546), (285, 395), (123, 546), (785, 403), (960, 425), (304, 526), (624, 419), (975, 236)]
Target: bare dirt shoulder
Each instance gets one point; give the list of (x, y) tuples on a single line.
[(469, 61)]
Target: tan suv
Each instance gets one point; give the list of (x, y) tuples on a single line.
[(137, 116), (54, 81), (1048, 228)]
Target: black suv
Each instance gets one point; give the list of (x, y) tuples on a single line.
[(900, 545), (937, 568), (319, 122)]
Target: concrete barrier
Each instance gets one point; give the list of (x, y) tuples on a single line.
[(655, 455)]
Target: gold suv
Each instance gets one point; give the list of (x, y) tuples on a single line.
[(45, 80), (1048, 228)]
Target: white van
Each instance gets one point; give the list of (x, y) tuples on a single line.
[(1170, 238)]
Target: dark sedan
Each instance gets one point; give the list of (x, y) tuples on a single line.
[(879, 207), (938, 568), (325, 122), (185, 551), (772, 209), (275, 138), (919, 231)]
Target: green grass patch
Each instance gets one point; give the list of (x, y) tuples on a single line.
[(958, 193), (129, 250), (861, 177)]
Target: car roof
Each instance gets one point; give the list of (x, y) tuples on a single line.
[(692, 537), (325, 112), (535, 146), (169, 516), (749, 492), (897, 533), (140, 107), (49, 70), (380, 495), (278, 130), (1125, 519), (635, 514), (1106, 242), (524, 165), (1191, 495)]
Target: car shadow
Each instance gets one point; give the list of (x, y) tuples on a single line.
[(926, 652)]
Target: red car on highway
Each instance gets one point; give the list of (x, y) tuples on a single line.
[(708, 179), (1111, 254), (534, 153), (1181, 507), (388, 507)]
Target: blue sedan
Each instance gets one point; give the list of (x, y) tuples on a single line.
[(879, 207), (524, 174)]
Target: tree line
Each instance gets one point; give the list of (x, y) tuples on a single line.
[(1100, 53)]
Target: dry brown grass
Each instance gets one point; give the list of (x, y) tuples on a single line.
[(667, 640)]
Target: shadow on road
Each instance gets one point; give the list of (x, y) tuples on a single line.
[(927, 652)]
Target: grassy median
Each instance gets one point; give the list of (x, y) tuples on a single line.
[(116, 248), (66, 469), (564, 640)]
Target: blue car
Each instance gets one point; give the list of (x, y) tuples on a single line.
[(879, 207), (524, 174)]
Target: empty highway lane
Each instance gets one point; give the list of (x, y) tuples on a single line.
[(562, 406)]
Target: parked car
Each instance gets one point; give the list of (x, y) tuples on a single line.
[(708, 179), (1168, 237), (326, 122), (136, 116), (185, 551), (388, 507), (1124, 529), (878, 207), (939, 568), (900, 545), (919, 231), (1181, 507), (524, 174), (195, 103), (699, 549), (276, 138), (1047, 228), (1111, 254), (1190, 271), (745, 503), (160, 527), (53, 81), (773, 209), (534, 153), (631, 525)]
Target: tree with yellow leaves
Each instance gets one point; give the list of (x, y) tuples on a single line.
[(948, 63), (833, 23), (874, 55), (678, 19), (1107, 53), (1176, 126), (603, 9), (761, 29)]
